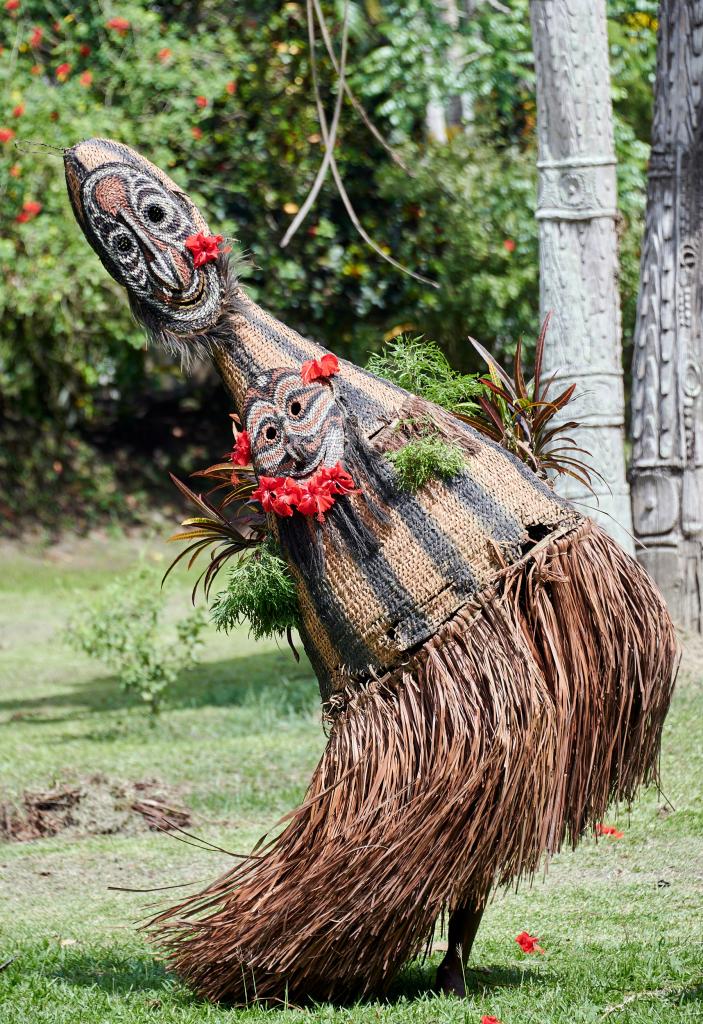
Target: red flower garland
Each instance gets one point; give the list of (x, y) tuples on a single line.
[(284, 495)]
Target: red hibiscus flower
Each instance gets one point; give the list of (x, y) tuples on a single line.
[(164, 55), (489, 1020), (18, 110), (231, 88), (339, 481), (314, 369), (84, 50), (528, 943), (36, 37), (509, 245), (201, 101), (609, 830), (205, 248), (279, 494), (12, 5), (63, 71), (119, 25), (241, 453), (6, 134), (196, 132), (317, 498), (86, 78)]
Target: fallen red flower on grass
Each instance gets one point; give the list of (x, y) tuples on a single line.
[(314, 369), (205, 248), (489, 1020), (609, 830), (528, 943)]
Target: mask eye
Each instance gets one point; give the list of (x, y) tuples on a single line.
[(155, 213), (270, 433), (123, 243), (295, 408)]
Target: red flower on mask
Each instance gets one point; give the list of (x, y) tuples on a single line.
[(528, 943), (241, 453), (317, 498), (337, 478), (205, 248), (314, 369)]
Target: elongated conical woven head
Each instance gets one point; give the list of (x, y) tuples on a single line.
[(138, 221)]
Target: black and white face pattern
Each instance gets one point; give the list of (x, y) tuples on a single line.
[(293, 427), (139, 228)]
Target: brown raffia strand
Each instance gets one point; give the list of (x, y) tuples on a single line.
[(509, 731)]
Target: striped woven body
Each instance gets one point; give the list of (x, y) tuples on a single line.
[(386, 569)]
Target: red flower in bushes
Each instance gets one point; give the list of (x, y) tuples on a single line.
[(196, 132), (241, 453), (164, 55), (6, 134), (231, 88), (30, 209), (19, 110), (205, 248), (509, 245), (119, 25), (86, 78), (201, 101), (85, 50), (12, 5), (63, 71), (314, 369), (528, 943), (36, 37)]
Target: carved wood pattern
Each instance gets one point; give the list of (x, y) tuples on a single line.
[(667, 406), (576, 209)]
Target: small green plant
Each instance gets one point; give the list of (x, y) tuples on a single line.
[(421, 367), (261, 590), (124, 630), (423, 458)]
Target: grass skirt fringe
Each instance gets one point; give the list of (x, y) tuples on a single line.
[(508, 732)]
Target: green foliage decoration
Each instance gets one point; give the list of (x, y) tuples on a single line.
[(124, 630), (260, 590), (420, 366), (423, 458)]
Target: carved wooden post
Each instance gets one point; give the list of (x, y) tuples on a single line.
[(578, 245), (667, 416)]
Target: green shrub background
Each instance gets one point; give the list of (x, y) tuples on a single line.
[(74, 374)]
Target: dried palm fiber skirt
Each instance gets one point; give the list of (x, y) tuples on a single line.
[(509, 731)]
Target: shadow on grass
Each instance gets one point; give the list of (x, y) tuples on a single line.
[(270, 679), (117, 973)]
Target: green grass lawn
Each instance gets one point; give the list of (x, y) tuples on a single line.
[(621, 920)]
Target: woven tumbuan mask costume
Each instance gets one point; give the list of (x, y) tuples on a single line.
[(494, 668)]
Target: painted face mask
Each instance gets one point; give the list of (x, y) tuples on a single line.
[(138, 221), (293, 427)]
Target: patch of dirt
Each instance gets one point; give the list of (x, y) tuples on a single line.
[(94, 806)]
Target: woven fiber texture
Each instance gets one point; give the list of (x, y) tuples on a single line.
[(455, 772)]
